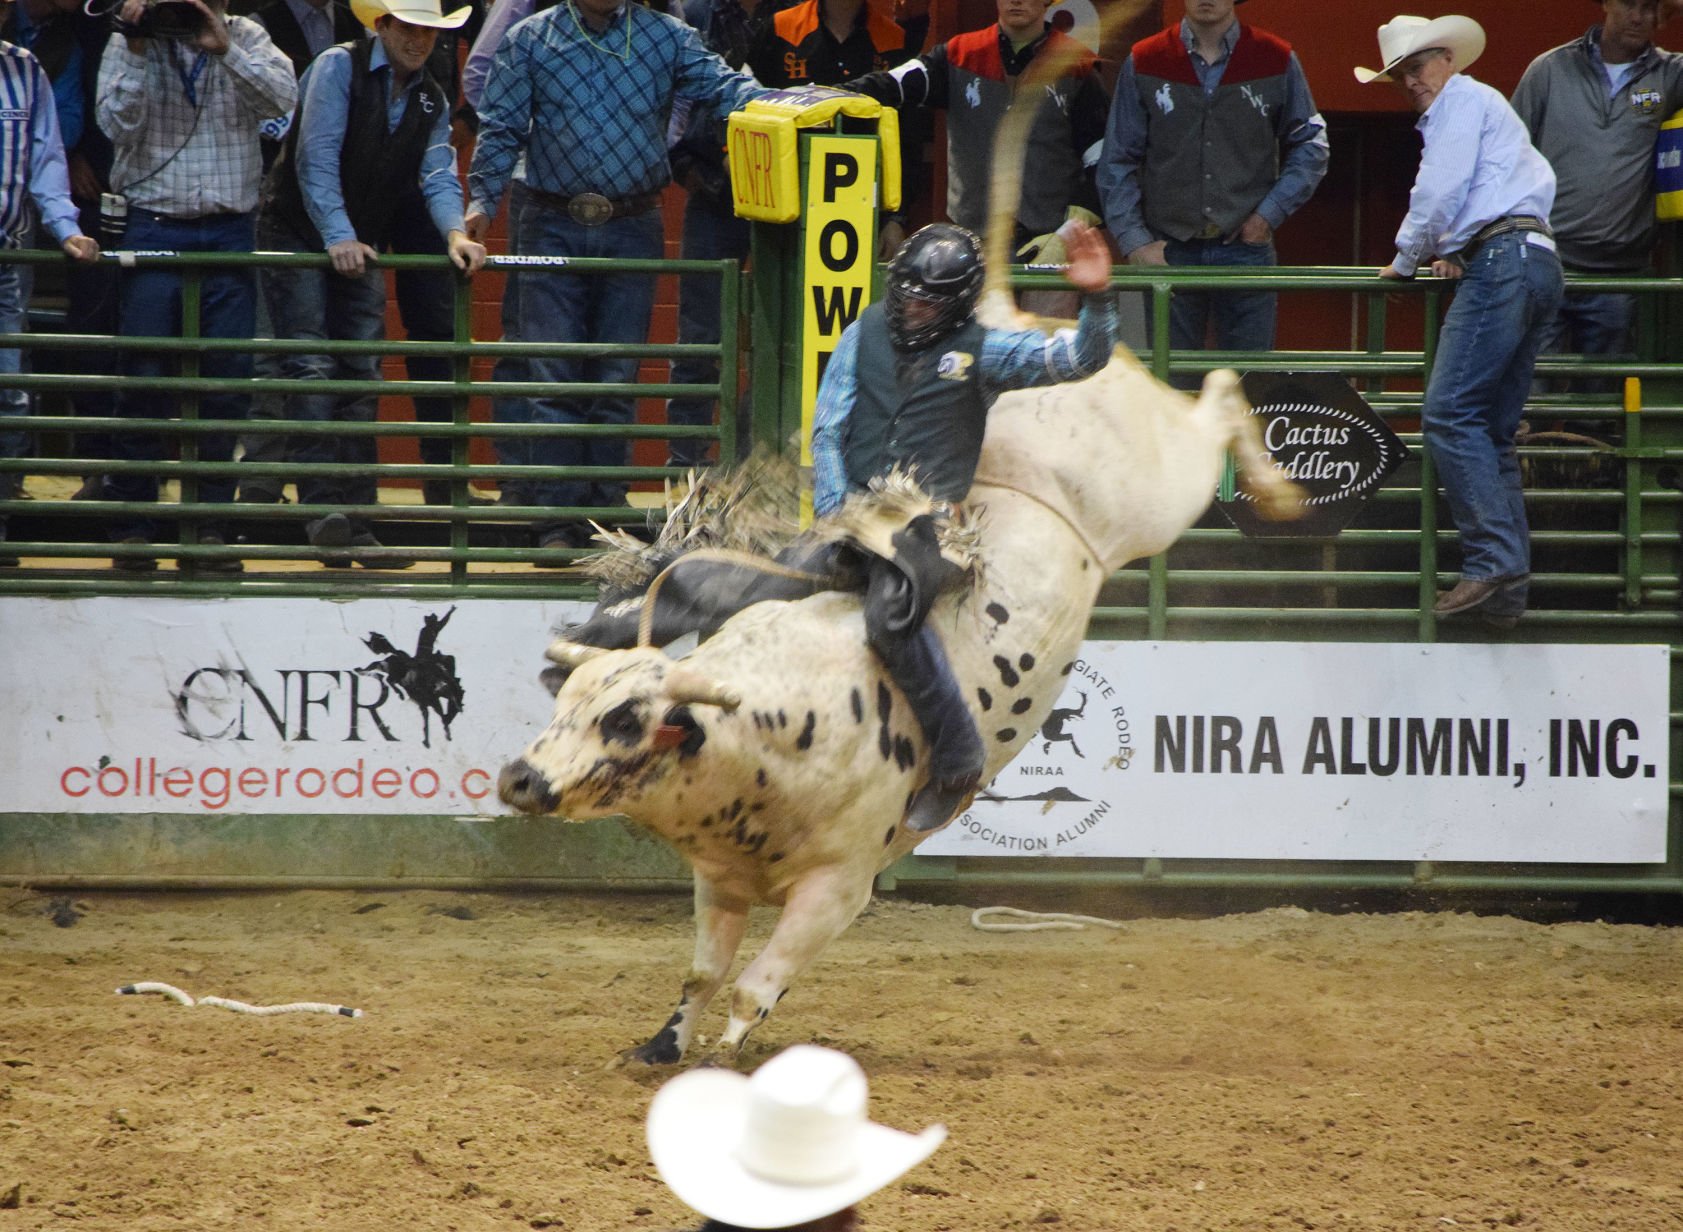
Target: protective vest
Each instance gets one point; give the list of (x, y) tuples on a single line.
[(978, 94), (926, 412), (1209, 159), (375, 166)]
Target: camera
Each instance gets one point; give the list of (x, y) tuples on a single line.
[(163, 19)]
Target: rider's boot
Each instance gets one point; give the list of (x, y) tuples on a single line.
[(919, 666)]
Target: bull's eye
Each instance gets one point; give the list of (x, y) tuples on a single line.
[(623, 724)]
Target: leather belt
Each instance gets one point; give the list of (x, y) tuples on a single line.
[(593, 209), (1503, 226)]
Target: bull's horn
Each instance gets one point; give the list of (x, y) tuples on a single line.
[(571, 654), (684, 685)]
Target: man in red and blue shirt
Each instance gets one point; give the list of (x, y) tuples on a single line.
[(1213, 142)]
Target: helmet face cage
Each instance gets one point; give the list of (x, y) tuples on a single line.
[(940, 266)]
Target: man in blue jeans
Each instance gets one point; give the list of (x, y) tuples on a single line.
[(1213, 142), (584, 90), (183, 116), (372, 126), (1478, 211)]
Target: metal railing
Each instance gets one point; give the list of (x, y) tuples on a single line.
[(465, 547), (1605, 521)]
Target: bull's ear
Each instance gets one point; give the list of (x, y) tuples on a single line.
[(552, 678), (679, 730)]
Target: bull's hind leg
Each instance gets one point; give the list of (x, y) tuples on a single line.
[(814, 914), (720, 921)]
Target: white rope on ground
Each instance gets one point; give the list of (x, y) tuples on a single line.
[(1038, 921), (239, 1007)]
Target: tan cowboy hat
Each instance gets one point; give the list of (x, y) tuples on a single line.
[(1402, 37), (781, 1148), (415, 12)]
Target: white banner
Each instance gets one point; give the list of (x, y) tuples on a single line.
[(1321, 751), (1300, 751), (268, 705)]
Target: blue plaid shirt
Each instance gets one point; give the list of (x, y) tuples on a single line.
[(589, 116)]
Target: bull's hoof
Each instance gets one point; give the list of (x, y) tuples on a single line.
[(661, 1050)]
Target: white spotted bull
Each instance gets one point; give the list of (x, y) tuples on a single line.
[(778, 757)]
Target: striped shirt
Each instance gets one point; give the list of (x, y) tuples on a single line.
[(31, 152), (1010, 359), (184, 123), (589, 108)]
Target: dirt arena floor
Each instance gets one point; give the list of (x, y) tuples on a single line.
[(1274, 1070)]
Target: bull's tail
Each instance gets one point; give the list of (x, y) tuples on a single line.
[(1010, 148), (1277, 498)]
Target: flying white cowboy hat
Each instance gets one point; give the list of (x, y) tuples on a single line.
[(1401, 37), (415, 12), (786, 1146)]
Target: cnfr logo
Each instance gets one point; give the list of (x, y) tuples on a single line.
[(347, 704)]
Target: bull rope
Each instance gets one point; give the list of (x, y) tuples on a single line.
[(729, 556), (239, 1007), (982, 481), (1036, 921)]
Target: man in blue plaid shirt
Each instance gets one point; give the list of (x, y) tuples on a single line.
[(584, 90)]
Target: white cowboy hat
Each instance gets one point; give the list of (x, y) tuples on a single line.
[(415, 12), (1401, 37), (786, 1146)]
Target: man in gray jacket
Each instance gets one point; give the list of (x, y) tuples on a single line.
[(1594, 108)]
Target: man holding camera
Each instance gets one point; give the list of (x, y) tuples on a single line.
[(182, 92)]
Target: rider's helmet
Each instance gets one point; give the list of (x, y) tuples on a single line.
[(933, 282)]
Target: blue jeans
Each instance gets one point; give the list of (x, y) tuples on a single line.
[(13, 442), (1244, 320), (318, 305), (151, 307), (711, 233), (1597, 324), (426, 304), (1486, 353), (554, 305)]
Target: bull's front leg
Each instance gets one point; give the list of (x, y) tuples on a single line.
[(720, 921), (815, 912)]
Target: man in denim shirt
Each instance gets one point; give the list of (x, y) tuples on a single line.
[(584, 91)]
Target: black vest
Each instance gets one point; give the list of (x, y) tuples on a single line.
[(375, 167), (925, 412)]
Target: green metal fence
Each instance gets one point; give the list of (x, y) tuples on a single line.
[(466, 547), (1605, 515)]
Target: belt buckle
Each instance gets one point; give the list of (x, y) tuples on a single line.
[(590, 209)]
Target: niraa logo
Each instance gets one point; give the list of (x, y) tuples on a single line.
[(350, 703), (1053, 793)]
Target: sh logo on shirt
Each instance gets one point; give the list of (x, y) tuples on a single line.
[(1165, 101), (1645, 102), (955, 365)]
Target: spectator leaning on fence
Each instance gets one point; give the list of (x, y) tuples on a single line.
[(1594, 108), (32, 153), (184, 115), (584, 91), (974, 79), (301, 30), (1478, 212), (1214, 141), (371, 123)]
